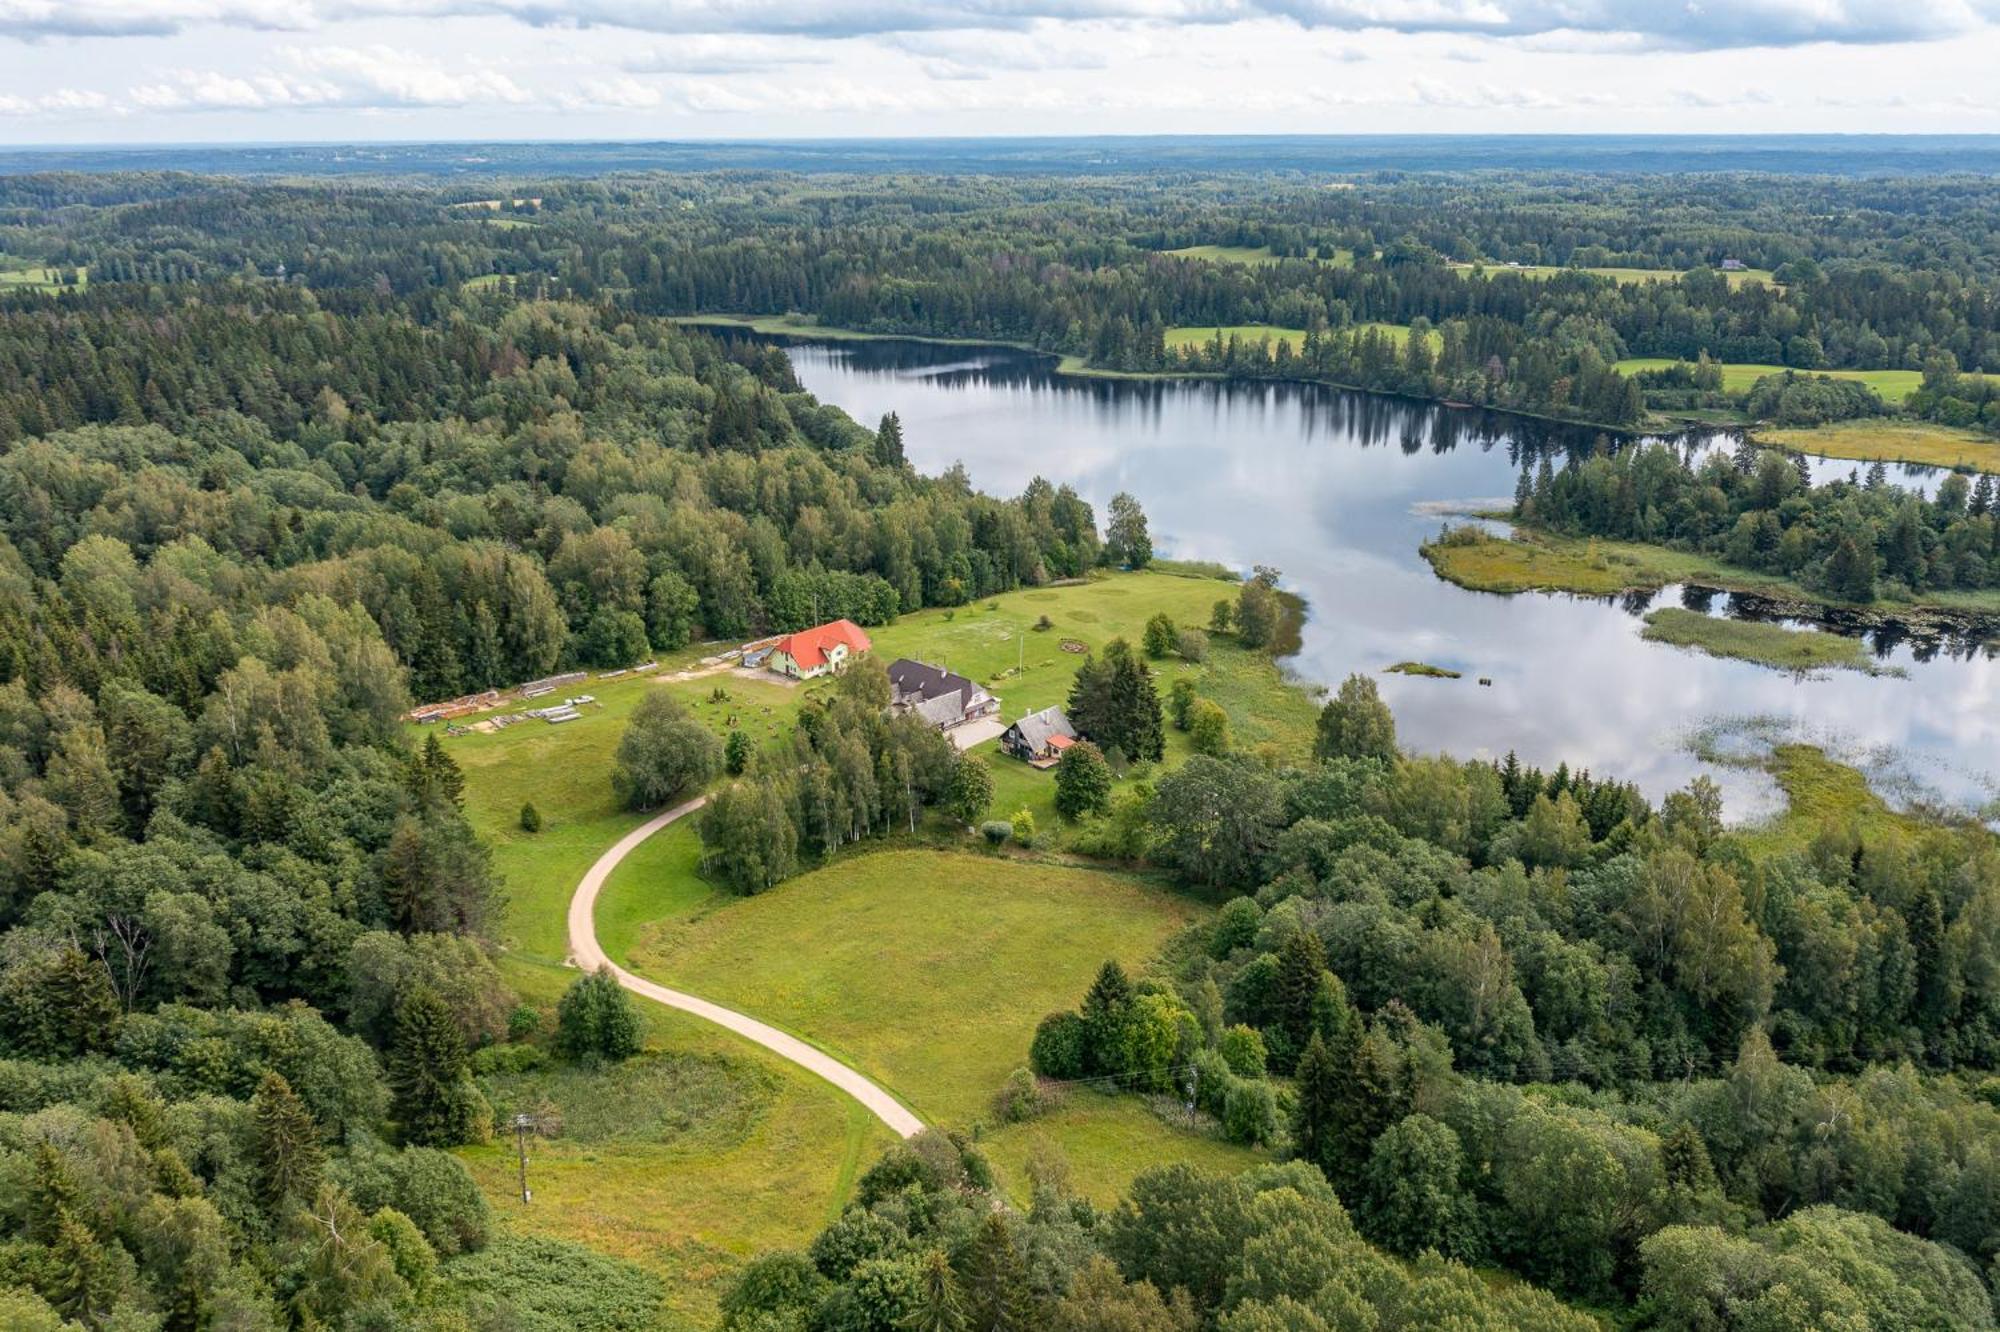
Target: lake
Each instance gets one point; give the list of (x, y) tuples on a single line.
[(1337, 489)]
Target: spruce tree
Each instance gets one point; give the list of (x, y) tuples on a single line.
[(1313, 1123), (285, 1146), (427, 1072), (1105, 1008), (889, 441), (1301, 962), (940, 1306), (996, 1281)]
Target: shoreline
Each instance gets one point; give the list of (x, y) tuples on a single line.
[(1534, 560)]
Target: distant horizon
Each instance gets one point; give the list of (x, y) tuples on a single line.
[(1757, 153)]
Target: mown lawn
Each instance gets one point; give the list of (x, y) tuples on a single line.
[(1893, 441), (1892, 386)]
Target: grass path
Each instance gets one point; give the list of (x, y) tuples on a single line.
[(584, 948)]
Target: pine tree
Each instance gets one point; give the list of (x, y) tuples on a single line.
[(437, 776), (285, 1146), (52, 1193), (427, 1072)]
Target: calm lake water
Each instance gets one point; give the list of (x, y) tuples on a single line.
[(1337, 490)]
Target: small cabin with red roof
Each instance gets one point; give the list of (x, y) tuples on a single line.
[(821, 650)]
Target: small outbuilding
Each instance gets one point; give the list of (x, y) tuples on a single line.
[(820, 650), (1039, 738)]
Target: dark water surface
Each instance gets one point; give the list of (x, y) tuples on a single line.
[(1337, 489)]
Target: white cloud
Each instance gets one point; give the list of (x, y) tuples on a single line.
[(1692, 24), (335, 76)]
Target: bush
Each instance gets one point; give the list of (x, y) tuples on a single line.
[(1208, 728), (1192, 644), (996, 831), (596, 1021), (1024, 827), (1236, 926), (508, 1059), (1159, 636), (1180, 702), (531, 818), (524, 1023), (1250, 1112), (1021, 1098), (736, 753), (1242, 1048), (1058, 1048)]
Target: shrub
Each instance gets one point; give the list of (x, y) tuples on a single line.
[(736, 753), (996, 831), (595, 1019), (1024, 827), (1236, 926), (1159, 636), (1242, 1048), (531, 818), (1058, 1048), (1021, 1098), (524, 1022), (1208, 728), (1192, 645), (1043, 624), (1180, 702), (1250, 1112)]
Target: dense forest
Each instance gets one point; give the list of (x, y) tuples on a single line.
[(1848, 540), (278, 459), (1863, 273), (1492, 1016)]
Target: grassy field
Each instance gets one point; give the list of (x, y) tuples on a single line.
[(1541, 562), (1771, 645), (1893, 441), (687, 1201), (1736, 278), (776, 1151), (1737, 376), (1254, 255), (1188, 336), (37, 277), (927, 969)]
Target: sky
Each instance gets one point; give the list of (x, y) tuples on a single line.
[(178, 71)]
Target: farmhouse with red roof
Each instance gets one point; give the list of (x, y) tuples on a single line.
[(820, 650)]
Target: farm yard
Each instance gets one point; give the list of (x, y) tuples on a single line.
[(980, 945)]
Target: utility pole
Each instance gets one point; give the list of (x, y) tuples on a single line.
[(1194, 1087), (522, 1123)]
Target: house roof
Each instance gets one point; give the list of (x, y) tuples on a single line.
[(944, 709), (921, 680), (809, 647), (1060, 741), (1038, 729)]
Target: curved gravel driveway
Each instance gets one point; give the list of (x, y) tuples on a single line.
[(586, 953)]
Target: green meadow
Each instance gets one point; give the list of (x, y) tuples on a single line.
[(1255, 255), (1738, 376)]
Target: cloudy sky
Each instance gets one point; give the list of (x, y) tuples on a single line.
[(77, 71)]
